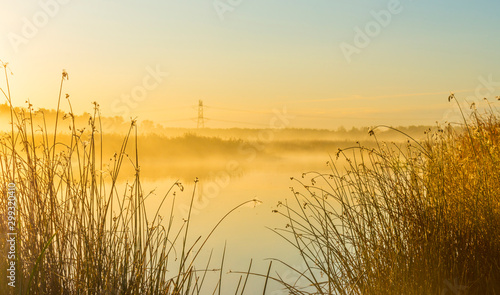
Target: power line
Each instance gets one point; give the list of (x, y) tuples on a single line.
[(177, 120), (304, 115), (238, 122), (240, 110)]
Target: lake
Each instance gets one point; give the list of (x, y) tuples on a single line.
[(229, 172), (246, 231)]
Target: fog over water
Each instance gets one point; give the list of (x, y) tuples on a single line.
[(231, 170), (224, 168)]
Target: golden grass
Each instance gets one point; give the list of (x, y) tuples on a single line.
[(423, 218), (417, 219), (77, 231)]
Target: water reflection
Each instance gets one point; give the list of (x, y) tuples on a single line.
[(228, 173)]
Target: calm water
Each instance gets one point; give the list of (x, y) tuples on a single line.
[(245, 231)]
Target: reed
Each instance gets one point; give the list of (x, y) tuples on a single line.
[(80, 229), (419, 218)]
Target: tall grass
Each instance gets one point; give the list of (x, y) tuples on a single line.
[(417, 219), (422, 218), (78, 230)]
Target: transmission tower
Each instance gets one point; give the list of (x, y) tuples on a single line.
[(201, 119)]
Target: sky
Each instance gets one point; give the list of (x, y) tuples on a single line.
[(322, 63)]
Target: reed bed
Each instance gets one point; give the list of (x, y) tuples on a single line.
[(79, 231), (420, 218)]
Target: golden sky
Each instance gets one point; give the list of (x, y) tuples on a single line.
[(327, 62)]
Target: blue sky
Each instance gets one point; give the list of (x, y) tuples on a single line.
[(262, 55)]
